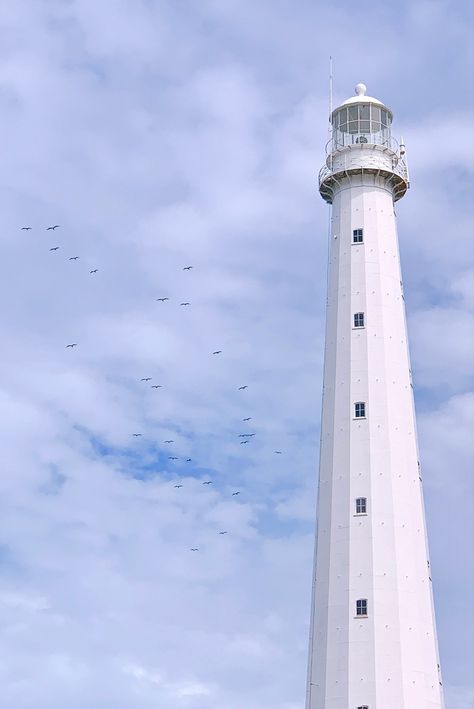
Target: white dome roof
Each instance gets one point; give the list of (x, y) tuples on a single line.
[(360, 97)]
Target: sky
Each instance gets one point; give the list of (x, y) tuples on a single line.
[(165, 134)]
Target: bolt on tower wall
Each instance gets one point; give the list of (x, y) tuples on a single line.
[(373, 638)]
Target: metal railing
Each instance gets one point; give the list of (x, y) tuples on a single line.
[(399, 167), (396, 171), (335, 144)]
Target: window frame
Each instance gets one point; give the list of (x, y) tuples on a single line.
[(361, 604), (360, 502), (359, 235), (356, 321), (358, 407)]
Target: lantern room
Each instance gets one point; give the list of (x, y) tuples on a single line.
[(361, 119)]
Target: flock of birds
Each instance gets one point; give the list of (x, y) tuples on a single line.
[(245, 436)]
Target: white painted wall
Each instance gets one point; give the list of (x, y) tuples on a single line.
[(388, 660)]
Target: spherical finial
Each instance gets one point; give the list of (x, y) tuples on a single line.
[(360, 89)]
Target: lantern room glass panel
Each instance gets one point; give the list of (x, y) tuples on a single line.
[(360, 123)]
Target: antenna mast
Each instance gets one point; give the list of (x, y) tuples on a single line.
[(330, 104), (330, 88)]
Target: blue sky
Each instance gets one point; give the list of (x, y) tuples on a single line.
[(162, 134)]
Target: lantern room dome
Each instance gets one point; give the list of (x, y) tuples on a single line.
[(361, 97)]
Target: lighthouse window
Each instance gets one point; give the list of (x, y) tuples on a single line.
[(364, 706), (361, 506), (353, 113), (357, 236), (358, 319), (359, 409), (361, 607)]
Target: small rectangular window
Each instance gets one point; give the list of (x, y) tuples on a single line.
[(357, 236), (359, 408), (364, 706), (361, 506), (361, 607), (358, 319)]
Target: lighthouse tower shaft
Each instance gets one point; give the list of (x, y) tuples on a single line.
[(373, 639)]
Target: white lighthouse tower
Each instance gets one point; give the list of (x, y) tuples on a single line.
[(373, 638)]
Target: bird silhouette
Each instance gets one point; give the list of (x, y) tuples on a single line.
[(207, 482), (278, 452), (187, 268), (249, 418), (73, 344), (236, 493), (55, 248), (217, 352), (73, 258), (145, 379), (194, 549), (161, 300), (246, 435), (94, 270), (169, 441), (52, 228), (244, 387), (185, 303), (178, 486), (156, 386), (223, 532), (136, 434), (172, 457), (188, 460), (25, 228), (242, 442)]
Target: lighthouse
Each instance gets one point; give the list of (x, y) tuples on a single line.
[(373, 638)]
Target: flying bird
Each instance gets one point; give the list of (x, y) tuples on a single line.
[(162, 300), (187, 268), (236, 493), (169, 441), (195, 549), (145, 379), (73, 258), (156, 386), (94, 270), (52, 228), (25, 228), (246, 435), (188, 460), (223, 532), (249, 418), (185, 303), (217, 352), (55, 248), (207, 482), (242, 442), (172, 457), (73, 344), (278, 452), (178, 486), (136, 434), (244, 387)]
